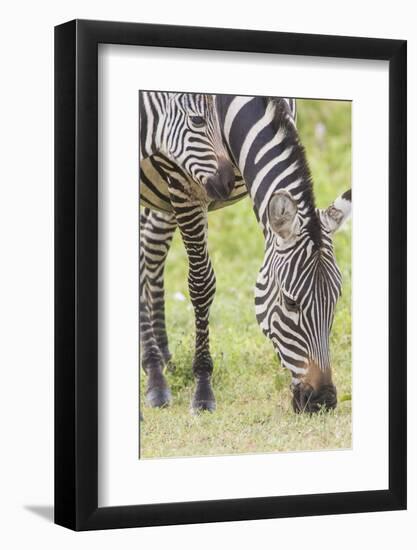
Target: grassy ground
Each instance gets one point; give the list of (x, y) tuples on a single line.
[(254, 401)]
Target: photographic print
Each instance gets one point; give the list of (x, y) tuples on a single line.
[(245, 274), (203, 274), (204, 310)]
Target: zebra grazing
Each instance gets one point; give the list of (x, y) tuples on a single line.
[(299, 282)]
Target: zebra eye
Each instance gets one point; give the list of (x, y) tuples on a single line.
[(290, 304), (197, 121)]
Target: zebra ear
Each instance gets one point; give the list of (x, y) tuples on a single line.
[(282, 213), (337, 213)]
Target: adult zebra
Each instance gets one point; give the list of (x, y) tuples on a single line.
[(299, 282)]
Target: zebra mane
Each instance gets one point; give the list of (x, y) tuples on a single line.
[(283, 119)]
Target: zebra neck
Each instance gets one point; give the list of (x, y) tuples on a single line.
[(152, 109), (271, 158)]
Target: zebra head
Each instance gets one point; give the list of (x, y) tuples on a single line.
[(192, 139), (297, 290)]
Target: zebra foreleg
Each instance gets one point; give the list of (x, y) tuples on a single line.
[(157, 391), (192, 222), (157, 230), (153, 253)]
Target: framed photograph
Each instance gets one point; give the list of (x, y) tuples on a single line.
[(230, 256)]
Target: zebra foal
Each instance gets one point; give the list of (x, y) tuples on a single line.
[(184, 169)]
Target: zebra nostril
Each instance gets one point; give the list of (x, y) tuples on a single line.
[(301, 397), (227, 175), (213, 187)]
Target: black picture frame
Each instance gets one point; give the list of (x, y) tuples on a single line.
[(76, 272)]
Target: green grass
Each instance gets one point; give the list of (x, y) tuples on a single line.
[(254, 411)]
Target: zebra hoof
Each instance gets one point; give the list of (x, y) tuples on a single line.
[(158, 397), (201, 406), (203, 399)]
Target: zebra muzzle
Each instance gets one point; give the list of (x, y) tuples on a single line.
[(310, 400), (220, 185)]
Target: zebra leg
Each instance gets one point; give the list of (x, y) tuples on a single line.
[(153, 253), (192, 222), (157, 230), (157, 391)]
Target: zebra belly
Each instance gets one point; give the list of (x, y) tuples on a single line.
[(154, 191), (153, 188)]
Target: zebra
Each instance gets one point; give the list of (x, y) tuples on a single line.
[(299, 282), (184, 169)]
